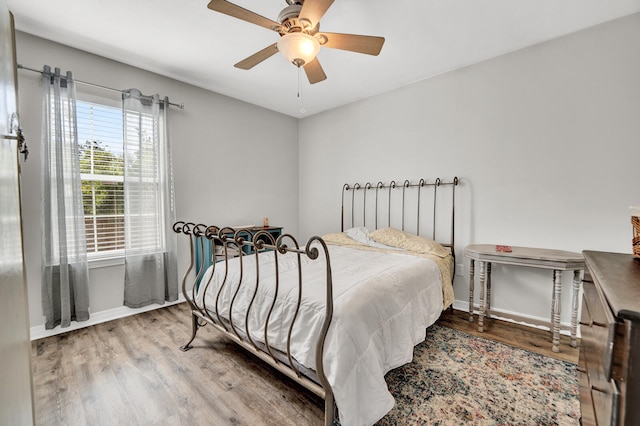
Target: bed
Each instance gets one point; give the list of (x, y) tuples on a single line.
[(337, 313)]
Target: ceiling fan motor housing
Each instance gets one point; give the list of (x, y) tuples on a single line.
[(288, 17), (289, 12)]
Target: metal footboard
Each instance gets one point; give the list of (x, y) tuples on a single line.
[(248, 246)]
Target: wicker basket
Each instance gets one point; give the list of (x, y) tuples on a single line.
[(635, 222)]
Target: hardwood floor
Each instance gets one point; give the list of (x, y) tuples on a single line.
[(520, 336), (131, 372)]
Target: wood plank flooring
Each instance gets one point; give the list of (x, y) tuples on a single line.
[(131, 372)]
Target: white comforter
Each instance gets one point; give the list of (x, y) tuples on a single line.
[(383, 303)]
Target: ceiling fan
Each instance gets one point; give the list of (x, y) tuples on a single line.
[(300, 37)]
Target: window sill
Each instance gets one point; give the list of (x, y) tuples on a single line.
[(104, 262)]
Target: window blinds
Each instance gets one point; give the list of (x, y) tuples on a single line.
[(101, 168)]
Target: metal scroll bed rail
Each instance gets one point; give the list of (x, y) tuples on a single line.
[(314, 380)]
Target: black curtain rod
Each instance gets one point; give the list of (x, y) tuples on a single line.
[(22, 67)]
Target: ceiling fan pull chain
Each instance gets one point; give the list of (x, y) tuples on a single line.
[(302, 110)]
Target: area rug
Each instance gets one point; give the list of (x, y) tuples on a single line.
[(456, 378)]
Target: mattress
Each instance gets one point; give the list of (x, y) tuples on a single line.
[(383, 303)]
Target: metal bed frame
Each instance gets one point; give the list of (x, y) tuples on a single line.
[(420, 187), (258, 242)]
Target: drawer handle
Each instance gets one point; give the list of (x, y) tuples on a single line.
[(588, 324), (581, 370), (599, 324)]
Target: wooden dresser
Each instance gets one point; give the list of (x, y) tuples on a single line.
[(609, 366)]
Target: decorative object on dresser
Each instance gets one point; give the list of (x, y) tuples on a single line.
[(609, 364), (635, 223), (557, 260), (278, 300)]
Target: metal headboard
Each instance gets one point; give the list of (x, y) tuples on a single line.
[(359, 192)]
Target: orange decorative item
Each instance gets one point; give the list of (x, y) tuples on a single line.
[(635, 223)]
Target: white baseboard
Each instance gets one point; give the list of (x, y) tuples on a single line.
[(518, 318), (39, 332)]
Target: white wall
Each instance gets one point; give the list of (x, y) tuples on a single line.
[(234, 163), (545, 141)]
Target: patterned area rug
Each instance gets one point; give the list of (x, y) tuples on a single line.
[(456, 378)]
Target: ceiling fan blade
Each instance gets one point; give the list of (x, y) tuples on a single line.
[(256, 58), (314, 10), (369, 45), (231, 9), (314, 71)]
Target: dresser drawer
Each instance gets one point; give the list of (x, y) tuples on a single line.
[(597, 328), (605, 403), (587, 417)]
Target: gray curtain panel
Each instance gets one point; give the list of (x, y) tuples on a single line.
[(65, 273), (150, 245)]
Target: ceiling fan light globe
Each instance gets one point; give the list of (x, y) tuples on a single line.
[(298, 48)]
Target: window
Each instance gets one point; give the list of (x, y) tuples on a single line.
[(101, 168), (143, 172)]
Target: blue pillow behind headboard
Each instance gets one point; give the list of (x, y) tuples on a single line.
[(202, 245)]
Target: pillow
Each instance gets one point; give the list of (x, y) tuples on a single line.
[(414, 243), (361, 235), (343, 239), (338, 238)]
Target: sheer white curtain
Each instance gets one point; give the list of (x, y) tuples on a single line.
[(150, 245), (65, 294)]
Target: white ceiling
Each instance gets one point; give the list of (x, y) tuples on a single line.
[(184, 40)]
